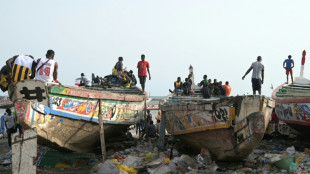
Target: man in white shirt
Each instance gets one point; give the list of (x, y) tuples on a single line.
[(10, 124), (85, 81), (257, 75), (47, 68)]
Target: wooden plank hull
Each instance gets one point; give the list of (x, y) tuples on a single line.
[(230, 128), (293, 106), (71, 121)]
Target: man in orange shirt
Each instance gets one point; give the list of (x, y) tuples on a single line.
[(142, 73), (227, 88)]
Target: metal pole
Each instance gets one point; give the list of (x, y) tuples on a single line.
[(162, 132), (101, 129)]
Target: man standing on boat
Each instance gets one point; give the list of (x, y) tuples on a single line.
[(142, 66), (257, 75), (47, 68), (288, 65)]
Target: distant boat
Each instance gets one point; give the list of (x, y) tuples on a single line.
[(5, 102), (293, 102), (68, 116)]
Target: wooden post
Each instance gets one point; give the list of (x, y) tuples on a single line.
[(101, 129), (145, 119), (161, 142), (24, 151)]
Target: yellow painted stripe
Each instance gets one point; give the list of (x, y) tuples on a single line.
[(199, 129)]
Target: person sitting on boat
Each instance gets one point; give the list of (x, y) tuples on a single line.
[(257, 75), (227, 88), (178, 85), (151, 129), (216, 89), (132, 77), (11, 125), (85, 81), (47, 68), (4, 79), (288, 65), (187, 86), (204, 81), (119, 67), (221, 89), (21, 67), (207, 89)]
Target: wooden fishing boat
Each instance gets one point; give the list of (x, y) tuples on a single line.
[(228, 127), (5, 102), (68, 116), (293, 102)]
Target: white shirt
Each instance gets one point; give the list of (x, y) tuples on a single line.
[(258, 67), (86, 81), (9, 121), (46, 72)]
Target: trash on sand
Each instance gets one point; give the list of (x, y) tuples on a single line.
[(127, 169), (133, 161), (285, 163), (290, 150), (104, 168)]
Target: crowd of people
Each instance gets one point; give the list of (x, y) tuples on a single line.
[(120, 75), (207, 87)]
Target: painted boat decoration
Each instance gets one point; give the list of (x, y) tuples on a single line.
[(5, 102), (229, 127), (68, 116), (293, 102)]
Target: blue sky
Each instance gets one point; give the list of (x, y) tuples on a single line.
[(219, 38)]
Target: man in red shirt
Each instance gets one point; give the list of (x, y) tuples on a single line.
[(142, 66)]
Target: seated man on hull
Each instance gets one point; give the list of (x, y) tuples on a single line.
[(221, 89), (227, 88), (216, 90), (187, 86), (132, 78), (47, 68), (204, 81), (21, 67), (85, 81)]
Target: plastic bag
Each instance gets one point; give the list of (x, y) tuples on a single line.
[(290, 150)]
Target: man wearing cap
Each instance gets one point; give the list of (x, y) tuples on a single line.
[(257, 75)]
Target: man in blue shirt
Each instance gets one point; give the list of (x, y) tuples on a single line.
[(288, 65)]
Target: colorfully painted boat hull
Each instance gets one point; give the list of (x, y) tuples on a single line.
[(68, 116), (230, 128), (293, 106)]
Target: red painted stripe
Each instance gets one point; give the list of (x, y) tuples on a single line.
[(297, 122), (28, 111)]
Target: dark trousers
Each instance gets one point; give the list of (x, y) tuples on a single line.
[(13, 130)]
